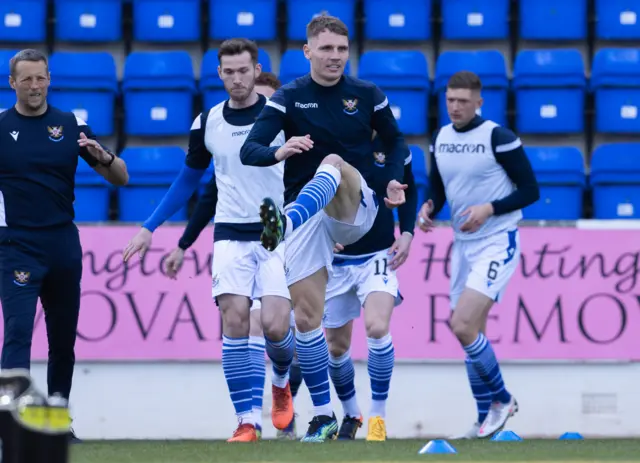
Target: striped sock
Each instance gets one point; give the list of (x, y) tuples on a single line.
[(258, 370), (281, 355), (235, 358), (480, 391), (486, 364), (313, 355), (315, 195), (343, 376), (380, 367)]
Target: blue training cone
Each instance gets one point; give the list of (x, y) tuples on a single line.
[(506, 436), (437, 446), (571, 436)]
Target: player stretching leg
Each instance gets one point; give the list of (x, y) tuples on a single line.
[(242, 269), (328, 120), (364, 275), (475, 164)]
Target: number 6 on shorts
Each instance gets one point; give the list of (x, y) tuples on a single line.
[(492, 274)]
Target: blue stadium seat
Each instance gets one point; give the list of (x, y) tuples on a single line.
[(7, 94), (553, 19), (158, 93), (615, 81), (561, 176), (615, 181), (83, 21), (211, 85), (419, 169), (23, 21), (618, 19), (404, 77), (293, 64), (253, 19), (88, 91), (151, 171), (166, 20), (490, 67), (404, 20), (475, 20), (92, 195), (300, 12), (550, 89)]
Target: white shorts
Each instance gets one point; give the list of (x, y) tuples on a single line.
[(310, 247), (247, 269), (485, 265), (350, 284)]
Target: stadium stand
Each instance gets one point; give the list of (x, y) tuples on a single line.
[(565, 75)]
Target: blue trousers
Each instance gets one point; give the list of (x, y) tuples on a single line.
[(45, 264)]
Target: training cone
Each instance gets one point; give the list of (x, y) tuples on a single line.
[(437, 446), (506, 436), (571, 436)]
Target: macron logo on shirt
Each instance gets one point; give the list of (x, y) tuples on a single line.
[(306, 105)]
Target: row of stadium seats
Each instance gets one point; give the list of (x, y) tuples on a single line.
[(613, 183), (549, 86), (180, 21)]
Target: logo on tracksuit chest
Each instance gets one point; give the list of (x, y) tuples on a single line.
[(21, 278)]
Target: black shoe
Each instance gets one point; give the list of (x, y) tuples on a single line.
[(321, 428), (73, 439), (274, 223), (349, 428)]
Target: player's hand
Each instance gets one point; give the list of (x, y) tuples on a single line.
[(94, 148), (424, 217), (338, 248), (294, 145), (138, 244), (400, 250), (395, 194), (173, 263), (476, 216)]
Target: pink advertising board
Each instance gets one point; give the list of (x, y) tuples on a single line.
[(576, 296)]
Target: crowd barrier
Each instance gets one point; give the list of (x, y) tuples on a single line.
[(575, 296)]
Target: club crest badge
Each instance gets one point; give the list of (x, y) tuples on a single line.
[(350, 106), (21, 278), (55, 133), (379, 158)]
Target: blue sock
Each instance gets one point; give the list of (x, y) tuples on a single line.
[(484, 360), (480, 391), (313, 355), (343, 376), (380, 367), (256, 351), (315, 195), (235, 358), (295, 378), (281, 355)]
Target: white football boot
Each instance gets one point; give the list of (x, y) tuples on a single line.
[(470, 434), (497, 418)]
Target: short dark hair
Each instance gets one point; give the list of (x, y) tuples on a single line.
[(238, 46), (28, 54), (465, 80), (269, 79), (324, 22)]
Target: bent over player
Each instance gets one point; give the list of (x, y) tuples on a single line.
[(481, 169), (328, 119), (40, 250), (364, 275), (242, 269)]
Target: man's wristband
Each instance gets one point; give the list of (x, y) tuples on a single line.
[(111, 160)]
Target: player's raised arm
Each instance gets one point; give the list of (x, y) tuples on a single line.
[(196, 162), (392, 138), (202, 215), (510, 154), (256, 150), (108, 165)]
